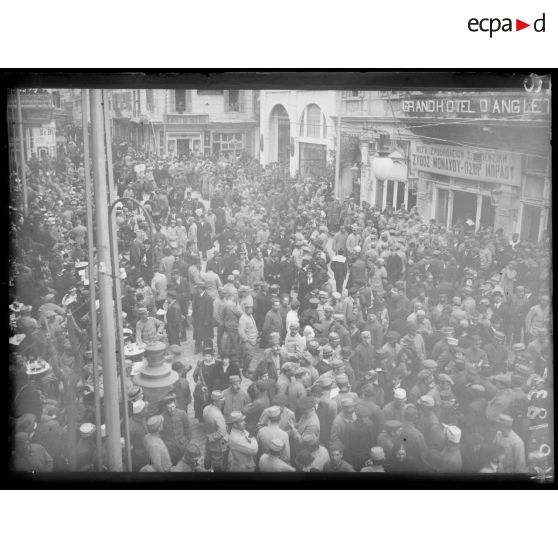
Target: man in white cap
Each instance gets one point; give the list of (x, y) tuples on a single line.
[(376, 462), (86, 446), (448, 460), (271, 461), (514, 447), (394, 409), (242, 446), (216, 432), (138, 430)]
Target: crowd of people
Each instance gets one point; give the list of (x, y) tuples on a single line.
[(331, 336)]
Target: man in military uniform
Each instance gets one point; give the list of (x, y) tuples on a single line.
[(216, 433)]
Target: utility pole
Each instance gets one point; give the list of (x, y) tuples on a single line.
[(106, 275), (117, 290), (337, 191), (91, 272), (21, 154)]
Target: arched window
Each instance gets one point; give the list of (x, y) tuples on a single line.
[(314, 117)]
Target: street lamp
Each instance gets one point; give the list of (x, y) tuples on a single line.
[(382, 164)]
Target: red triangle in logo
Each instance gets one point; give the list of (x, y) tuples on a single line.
[(519, 25)]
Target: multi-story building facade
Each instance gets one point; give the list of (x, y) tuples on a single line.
[(470, 155), (183, 121), (297, 128), (39, 126)]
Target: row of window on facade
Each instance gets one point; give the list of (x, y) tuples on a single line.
[(180, 100), (187, 143)]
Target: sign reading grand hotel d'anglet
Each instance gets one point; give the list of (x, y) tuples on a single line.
[(528, 107), (482, 165)]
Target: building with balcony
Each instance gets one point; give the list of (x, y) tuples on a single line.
[(39, 126), (184, 121), (297, 128)]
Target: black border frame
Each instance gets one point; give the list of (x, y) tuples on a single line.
[(384, 79)]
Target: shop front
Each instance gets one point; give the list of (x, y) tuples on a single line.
[(461, 184), (184, 143)]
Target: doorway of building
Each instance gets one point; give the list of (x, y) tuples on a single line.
[(442, 206), (487, 212), (530, 223), (182, 146), (279, 135), (464, 207), (313, 160)]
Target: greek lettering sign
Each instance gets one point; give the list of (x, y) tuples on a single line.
[(482, 165), (499, 106)]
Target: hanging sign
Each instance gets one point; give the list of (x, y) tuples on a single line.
[(500, 167)]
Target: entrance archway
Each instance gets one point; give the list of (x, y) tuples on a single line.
[(279, 135)]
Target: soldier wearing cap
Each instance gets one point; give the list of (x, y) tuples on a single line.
[(474, 355), (191, 462), (441, 346), (327, 407), (343, 422), (243, 448), (28, 456), (394, 409), (308, 423), (425, 382), (375, 464), (271, 461), (295, 389), (324, 364), (177, 430), (274, 357), (392, 345), (236, 398), (157, 452), (339, 327), (248, 338), (274, 431), (538, 317), (497, 353), (514, 448), (216, 432), (342, 382), (502, 399), (539, 346), (326, 318), (364, 354), (286, 418), (448, 460), (390, 435), (429, 424)]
